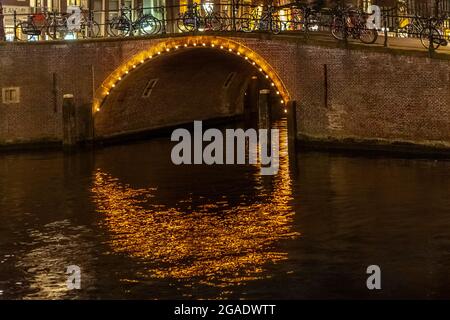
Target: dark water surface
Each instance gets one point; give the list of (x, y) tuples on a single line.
[(140, 227)]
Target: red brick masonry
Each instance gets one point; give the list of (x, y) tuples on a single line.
[(371, 95)]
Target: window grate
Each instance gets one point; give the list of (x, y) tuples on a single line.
[(11, 95), (149, 87), (229, 79)]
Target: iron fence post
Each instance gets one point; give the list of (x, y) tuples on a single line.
[(15, 25), (164, 22), (430, 38), (385, 30), (55, 25), (233, 14)]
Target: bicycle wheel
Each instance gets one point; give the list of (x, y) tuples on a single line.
[(90, 30), (119, 27), (338, 29), (187, 22), (246, 23), (431, 36), (275, 26), (367, 35), (226, 23), (149, 25), (56, 30), (214, 22)]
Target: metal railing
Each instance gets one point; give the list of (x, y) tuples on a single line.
[(294, 18)]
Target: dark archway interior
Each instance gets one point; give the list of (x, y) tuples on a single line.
[(180, 87)]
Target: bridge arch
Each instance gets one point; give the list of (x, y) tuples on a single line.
[(222, 44)]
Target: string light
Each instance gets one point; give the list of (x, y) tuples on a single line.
[(113, 85)]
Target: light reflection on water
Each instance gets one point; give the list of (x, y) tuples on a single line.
[(140, 227), (215, 244)]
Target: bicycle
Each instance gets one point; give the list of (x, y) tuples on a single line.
[(123, 25), (268, 21), (62, 25), (352, 22), (431, 36), (35, 25), (304, 19), (191, 20), (411, 26)]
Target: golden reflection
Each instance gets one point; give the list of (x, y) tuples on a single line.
[(218, 248)]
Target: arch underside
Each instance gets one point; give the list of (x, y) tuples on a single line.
[(167, 46)]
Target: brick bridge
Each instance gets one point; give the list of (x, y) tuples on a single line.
[(345, 96)]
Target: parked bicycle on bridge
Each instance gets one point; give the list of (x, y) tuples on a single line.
[(192, 20), (266, 21), (123, 25), (76, 24), (352, 22), (303, 18), (432, 36), (34, 26)]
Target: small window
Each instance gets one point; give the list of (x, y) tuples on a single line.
[(149, 87), (229, 79), (11, 95)]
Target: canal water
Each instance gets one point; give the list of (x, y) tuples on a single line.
[(140, 227)]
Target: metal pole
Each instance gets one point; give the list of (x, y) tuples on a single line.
[(164, 22), (15, 24), (55, 25), (233, 14)]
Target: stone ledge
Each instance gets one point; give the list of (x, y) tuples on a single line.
[(379, 146)]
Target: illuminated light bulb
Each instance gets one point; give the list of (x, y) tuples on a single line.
[(260, 69), (159, 52), (126, 72), (273, 84), (230, 49), (267, 77), (195, 44), (98, 109), (204, 44), (246, 58), (212, 45), (176, 47), (282, 101), (238, 53), (142, 61), (285, 110), (134, 66), (167, 49), (107, 93), (253, 63), (221, 47), (120, 78), (113, 85), (150, 57), (278, 92), (185, 44)]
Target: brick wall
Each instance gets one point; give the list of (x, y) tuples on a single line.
[(373, 95)]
